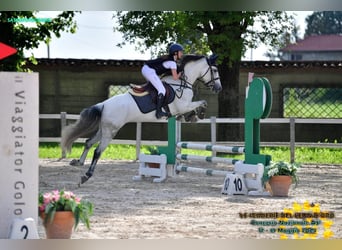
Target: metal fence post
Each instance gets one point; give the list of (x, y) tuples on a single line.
[(63, 124), (138, 140), (292, 139), (213, 133)]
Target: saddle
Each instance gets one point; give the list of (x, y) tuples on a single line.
[(145, 96)]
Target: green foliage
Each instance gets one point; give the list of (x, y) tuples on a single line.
[(156, 29), (153, 150), (226, 33), (16, 33), (281, 168), (324, 22), (287, 37), (306, 155), (113, 152)]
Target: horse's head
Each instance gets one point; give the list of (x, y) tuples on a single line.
[(206, 69), (213, 82)]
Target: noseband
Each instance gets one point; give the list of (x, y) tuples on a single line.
[(211, 82)]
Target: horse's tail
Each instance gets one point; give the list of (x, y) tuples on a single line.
[(86, 126)]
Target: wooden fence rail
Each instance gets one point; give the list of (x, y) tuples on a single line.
[(64, 117)]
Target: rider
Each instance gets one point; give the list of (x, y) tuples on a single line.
[(152, 69)]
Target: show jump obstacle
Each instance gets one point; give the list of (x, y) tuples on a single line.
[(247, 174)]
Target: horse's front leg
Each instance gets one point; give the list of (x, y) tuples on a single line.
[(193, 110), (195, 105)]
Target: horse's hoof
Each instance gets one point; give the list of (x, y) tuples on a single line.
[(75, 162), (194, 119), (84, 178), (201, 112), (204, 104), (188, 116), (180, 118), (201, 116)]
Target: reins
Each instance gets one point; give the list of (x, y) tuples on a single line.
[(183, 85), (187, 85)]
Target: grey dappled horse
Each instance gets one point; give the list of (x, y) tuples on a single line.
[(103, 120)]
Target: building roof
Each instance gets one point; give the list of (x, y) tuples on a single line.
[(100, 63), (317, 43)]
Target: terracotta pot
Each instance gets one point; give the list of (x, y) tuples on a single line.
[(280, 185), (61, 226), (153, 165)]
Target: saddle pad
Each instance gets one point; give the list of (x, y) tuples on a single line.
[(147, 102)]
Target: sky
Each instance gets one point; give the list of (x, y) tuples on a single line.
[(95, 39)]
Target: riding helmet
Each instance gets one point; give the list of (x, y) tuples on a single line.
[(174, 48)]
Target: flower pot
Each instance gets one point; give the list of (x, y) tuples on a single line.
[(280, 185), (153, 165), (61, 226)]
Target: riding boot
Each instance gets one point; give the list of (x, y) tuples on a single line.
[(160, 102)]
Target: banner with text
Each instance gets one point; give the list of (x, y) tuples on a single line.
[(19, 133)]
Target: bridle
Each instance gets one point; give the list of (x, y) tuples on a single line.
[(185, 84), (211, 82)]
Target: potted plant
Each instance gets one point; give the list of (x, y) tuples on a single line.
[(61, 208), (153, 150), (280, 175)]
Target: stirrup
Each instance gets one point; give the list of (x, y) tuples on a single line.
[(161, 114)]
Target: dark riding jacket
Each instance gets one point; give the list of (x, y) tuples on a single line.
[(157, 64)]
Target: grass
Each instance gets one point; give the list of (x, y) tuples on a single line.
[(307, 155), (113, 152), (127, 152)]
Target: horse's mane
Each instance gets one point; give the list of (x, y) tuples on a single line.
[(190, 58)]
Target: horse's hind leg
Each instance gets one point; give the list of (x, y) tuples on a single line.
[(106, 137), (88, 144)]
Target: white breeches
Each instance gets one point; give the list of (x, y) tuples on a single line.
[(150, 75)]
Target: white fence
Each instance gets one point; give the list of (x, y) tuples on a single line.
[(63, 117)]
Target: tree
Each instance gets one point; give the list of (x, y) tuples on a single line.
[(227, 34), (323, 23), (16, 33), (283, 40)]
